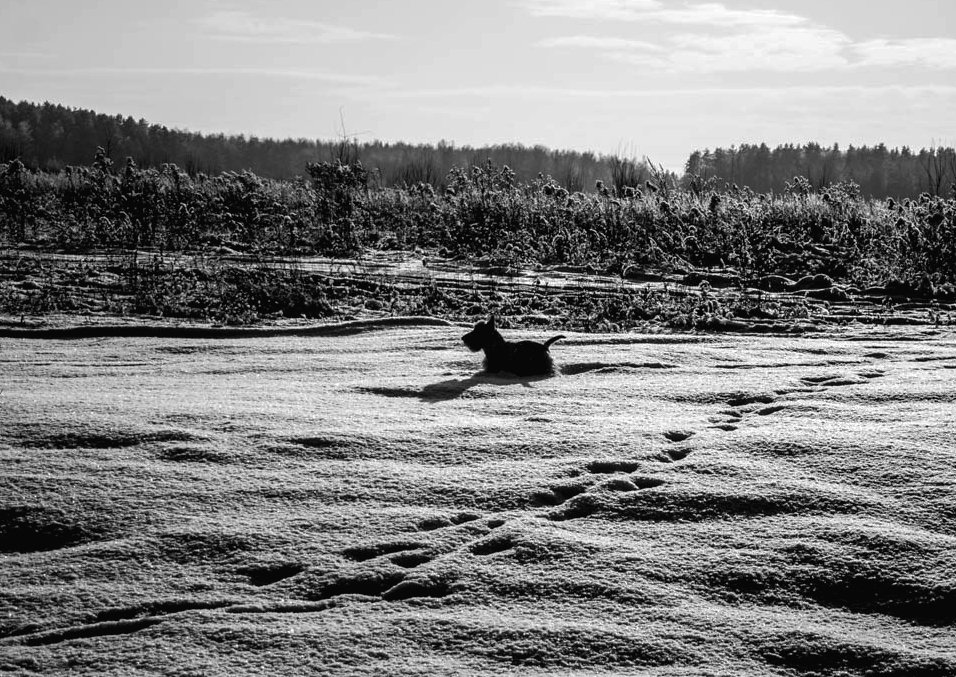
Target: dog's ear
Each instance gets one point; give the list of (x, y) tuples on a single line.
[(491, 321)]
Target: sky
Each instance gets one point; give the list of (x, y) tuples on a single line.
[(654, 78)]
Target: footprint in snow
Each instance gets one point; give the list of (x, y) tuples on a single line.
[(831, 381), (492, 545), (726, 427), (434, 523), (673, 454), (745, 399)]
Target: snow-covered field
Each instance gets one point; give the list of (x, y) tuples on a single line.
[(367, 503)]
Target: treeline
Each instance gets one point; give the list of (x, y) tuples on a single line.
[(878, 170), (51, 137)]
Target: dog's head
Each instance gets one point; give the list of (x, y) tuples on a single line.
[(484, 334)]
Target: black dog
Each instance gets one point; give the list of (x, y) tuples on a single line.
[(522, 358)]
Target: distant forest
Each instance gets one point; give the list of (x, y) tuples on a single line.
[(879, 171), (49, 136)]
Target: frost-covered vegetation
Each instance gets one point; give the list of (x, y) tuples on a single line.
[(484, 211), (832, 244)]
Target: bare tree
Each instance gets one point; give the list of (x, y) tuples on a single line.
[(108, 132), (626, 173), (573, 177), (346, 150), (420, 168), (951, 162), (933, 162)]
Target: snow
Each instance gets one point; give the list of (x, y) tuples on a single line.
[(370, 504)]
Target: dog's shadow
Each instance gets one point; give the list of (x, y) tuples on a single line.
[(454, 388)]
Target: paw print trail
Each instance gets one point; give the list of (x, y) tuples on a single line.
[(658, 483)]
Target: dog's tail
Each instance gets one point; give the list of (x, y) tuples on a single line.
[(547, 344)]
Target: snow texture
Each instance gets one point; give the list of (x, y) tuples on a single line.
[(370, 503)]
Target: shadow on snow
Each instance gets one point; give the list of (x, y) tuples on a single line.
[(452, 388)]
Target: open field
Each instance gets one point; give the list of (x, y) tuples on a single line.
[(363, 502)]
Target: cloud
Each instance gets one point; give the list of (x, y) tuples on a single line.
[(27, 55), (705, 14), (607, 44), (117, 71), (710, 38), (715, 14), (792, 49), (619, 10), (239, 26), (799, 49), (924, 52), (788, 49), (565, 94)]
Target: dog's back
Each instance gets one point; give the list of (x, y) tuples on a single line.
[(522, 358)]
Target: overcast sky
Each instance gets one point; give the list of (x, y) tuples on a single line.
[(645, 77)]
